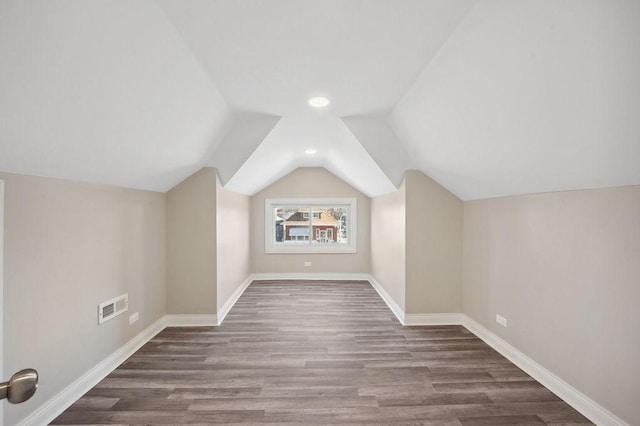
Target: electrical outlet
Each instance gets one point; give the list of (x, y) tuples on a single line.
[(307, 263), (501, 320), (133, 318)]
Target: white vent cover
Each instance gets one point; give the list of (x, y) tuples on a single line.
[(113, 308)]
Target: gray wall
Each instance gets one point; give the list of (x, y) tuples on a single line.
[(563, 268), (388, 243), (308, 183), (68, 247), (433, 247), (191, 245), (232, 219)]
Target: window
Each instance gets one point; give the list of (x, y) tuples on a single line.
[(320, 225)]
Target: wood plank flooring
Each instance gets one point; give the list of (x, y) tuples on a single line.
[(302, 352)]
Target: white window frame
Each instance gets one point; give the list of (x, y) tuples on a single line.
[(306, 246)]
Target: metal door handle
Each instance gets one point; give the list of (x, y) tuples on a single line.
[(21, 387)]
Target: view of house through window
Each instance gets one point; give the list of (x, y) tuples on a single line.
[(296, 226), (326, 225)]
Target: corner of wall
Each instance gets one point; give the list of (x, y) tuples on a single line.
[(433, 247), (232, 247), (388, 245), (191, 244)]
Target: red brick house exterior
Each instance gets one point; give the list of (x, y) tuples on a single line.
[(325, 227)]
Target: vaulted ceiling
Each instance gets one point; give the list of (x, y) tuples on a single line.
[(487, 97)]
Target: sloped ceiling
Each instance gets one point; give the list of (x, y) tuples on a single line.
[(530, 96), (269, 57), (487, 97), (104, 92)]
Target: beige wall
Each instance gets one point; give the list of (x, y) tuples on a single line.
[(433, 247), (232, 219), (564, 269), (69, 247), (561, 267), (305, 183), (388, 243), (191, 245)]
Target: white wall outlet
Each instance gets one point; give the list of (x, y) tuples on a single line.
[(501, 320), (133, 318), (307, 263)]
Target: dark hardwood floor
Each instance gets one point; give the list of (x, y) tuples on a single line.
[(301, 352)]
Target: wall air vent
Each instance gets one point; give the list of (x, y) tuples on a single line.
[(112, 308)]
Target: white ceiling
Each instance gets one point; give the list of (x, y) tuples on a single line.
[(530, 96), (271, 56), (489, 98), (104, 92)]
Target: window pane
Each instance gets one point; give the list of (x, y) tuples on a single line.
[(291, 225), (278, 222), (329, 225), (310, 225)]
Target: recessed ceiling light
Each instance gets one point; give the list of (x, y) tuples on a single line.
[(319, 102), (310, 151)]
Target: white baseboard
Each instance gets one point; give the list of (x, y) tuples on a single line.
[(433, 319), (397, 311), (55, 406), (414, 319), (222, 313), (191, 320), (309, 276), (582, 403), (64, 399), (60, 402)]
